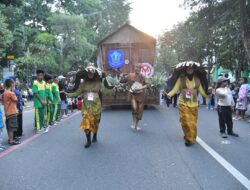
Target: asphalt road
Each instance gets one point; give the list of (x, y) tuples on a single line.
[(154, 158)]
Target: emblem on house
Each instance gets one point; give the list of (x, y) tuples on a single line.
[(116, 58)]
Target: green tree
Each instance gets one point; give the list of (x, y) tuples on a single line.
[(166, 53), (74, 47), (37, 12), (40, 54), (245, 25), (101, 16), (230, 26), (6, 36), (57, 33), (12, 2), (114, 14)]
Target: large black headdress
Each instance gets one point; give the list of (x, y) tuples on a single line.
[(180, 70)]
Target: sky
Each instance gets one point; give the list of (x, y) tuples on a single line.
[(155, 16)]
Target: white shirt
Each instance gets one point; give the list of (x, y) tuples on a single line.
[(224, 96)]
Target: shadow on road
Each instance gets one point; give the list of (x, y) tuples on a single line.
[(127, 107)]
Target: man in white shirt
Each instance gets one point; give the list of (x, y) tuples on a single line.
[(225, 107)]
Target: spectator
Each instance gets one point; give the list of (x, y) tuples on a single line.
[(25, 95), (79, 103), (30, 93), (49, 99), (11, 112), (74, 103), (211, 100), (62, 89), (235, 92), (70, 104), (39, 100), (2, 147), (56, 99), (19, 96), (241, 105), (225, 105)]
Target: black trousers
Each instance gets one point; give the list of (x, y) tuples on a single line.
[(175, 100), (225, 118), (19, 131)]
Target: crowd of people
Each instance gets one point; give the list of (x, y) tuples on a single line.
[(50, 103), (54, 99), (230, 100), (241, 97)]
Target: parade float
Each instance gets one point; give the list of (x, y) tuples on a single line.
[(118, 53)]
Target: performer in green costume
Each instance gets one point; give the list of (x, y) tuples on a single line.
[(90, 90)]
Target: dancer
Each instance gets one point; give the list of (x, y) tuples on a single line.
[(90, 90), (190, 79), (137, 84)]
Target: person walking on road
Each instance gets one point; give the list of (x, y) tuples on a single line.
[(39, 100), (137, 84), (190, 79), (90, 90), (225, 107), (11, 112)]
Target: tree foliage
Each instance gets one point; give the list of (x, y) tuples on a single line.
[(12, 2), (56, 34), (74, 47), (217, 32), (5, 34)]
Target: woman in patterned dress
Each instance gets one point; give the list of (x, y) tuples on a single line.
[(89, 85)]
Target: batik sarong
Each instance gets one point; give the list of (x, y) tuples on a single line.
[(90, 123), (188, 119)]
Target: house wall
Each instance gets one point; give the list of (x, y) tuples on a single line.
[(135, 53)]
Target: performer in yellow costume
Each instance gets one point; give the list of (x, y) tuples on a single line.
[(189, 78), (90, 89)]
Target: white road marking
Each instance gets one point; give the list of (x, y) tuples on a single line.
[(239, 176), (232, 170)]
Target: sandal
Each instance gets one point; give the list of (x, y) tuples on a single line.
[(14, 143)]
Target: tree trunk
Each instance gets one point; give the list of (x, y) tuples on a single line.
[(245, 29)]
